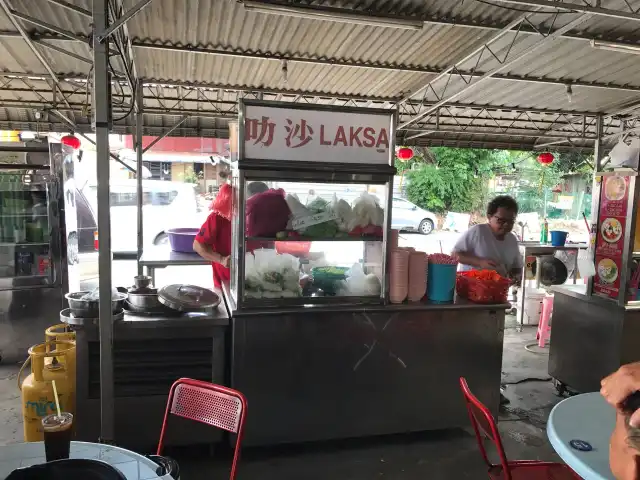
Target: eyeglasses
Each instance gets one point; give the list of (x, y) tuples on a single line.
[(504, 221)]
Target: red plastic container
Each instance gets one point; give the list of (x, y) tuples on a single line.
[(482, 290)]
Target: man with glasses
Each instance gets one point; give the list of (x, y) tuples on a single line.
[(492, 246)]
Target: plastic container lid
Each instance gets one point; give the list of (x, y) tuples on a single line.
[(188, 298)]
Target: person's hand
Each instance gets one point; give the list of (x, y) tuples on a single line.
[(487, 264), (623, 459), (619, 385), (225, 261)]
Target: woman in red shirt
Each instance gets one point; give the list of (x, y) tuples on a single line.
[(213, 242)]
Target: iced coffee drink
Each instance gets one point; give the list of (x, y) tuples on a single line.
[(57, 435)]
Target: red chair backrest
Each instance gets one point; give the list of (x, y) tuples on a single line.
[(484, 426), (207, 405)]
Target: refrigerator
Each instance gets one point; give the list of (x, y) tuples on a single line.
[(48, 238)]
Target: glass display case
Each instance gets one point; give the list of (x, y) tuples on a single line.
[(310, 226), (25, 230)]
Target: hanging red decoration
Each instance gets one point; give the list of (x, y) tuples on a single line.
[(405, 153), (71, 141), (546, 158)]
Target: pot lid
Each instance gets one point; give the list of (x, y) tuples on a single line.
[(188, 297)]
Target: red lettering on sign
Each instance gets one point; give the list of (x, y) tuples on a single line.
[(369, 139), (301, 131), (383, 139), (259, 130), (340, 137), (353, 136), (323, 141)]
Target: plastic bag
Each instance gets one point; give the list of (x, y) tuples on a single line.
[(359, 284), (623, 155), (267, 214), (94, 295), (328, 228), (270, 275), (344, 213), (366, 211)]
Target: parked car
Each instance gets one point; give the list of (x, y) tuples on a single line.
[(165, 205), (408, 216)]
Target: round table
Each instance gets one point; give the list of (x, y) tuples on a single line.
[(579, 428), (132, 465)]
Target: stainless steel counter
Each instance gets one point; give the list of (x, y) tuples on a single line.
[(162, 257), (149, 354), (327, 373), (590, 338)]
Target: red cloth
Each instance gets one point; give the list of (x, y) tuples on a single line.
[(222, 203), (216, 232), (267, 213)]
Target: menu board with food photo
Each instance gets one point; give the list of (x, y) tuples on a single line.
[(614, 196), (607, 279), (611, 237)]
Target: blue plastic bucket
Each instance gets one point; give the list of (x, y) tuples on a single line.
[(441, 282), (558, 238)]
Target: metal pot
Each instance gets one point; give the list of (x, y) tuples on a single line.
[(145, 301), (91, 308)]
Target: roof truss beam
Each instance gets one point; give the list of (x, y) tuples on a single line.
[(438, 88), (628, 14)]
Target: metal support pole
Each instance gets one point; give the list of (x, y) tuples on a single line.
[(101, 108), (598, 154), (123, 19), (139, 169)]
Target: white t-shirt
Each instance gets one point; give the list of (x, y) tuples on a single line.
[(480, 241)]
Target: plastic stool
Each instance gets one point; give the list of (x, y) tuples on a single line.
[(544, 326)]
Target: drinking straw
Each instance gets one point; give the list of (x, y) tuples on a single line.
[(55, 396)]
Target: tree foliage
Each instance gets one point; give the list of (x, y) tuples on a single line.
[(456, 180), (444, 179)]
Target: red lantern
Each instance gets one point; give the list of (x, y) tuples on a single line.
[(546, 158), (71, 141), (405, 153)]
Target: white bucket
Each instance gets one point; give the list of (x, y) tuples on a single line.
[(532, 306)]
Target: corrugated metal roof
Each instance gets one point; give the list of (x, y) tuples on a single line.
[(227, 25)]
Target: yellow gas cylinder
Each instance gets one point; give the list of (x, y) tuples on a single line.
[(64, 333), (37, 398), (60, 332)]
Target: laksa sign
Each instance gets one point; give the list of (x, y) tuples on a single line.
[(280, 133)]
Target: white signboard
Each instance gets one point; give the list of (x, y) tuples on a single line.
[(275, 133), (301, 223)]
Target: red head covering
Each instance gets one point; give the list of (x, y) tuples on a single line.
[(222, 203)]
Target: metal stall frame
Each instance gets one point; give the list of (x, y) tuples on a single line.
[(102, 86), (245, 169)]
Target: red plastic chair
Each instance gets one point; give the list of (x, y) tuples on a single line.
[(205, 402), (485, 426)]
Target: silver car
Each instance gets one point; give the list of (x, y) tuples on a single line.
[(408, 216)]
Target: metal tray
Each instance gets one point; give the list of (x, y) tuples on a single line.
[(67, 317)]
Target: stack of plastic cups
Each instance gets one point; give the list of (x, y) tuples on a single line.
[(398, 276), (417, 276)]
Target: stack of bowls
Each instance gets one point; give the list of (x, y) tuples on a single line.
[(399, 276), (417, 276)]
